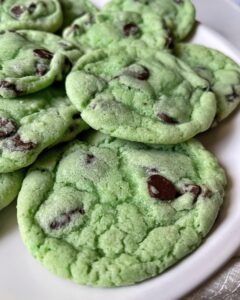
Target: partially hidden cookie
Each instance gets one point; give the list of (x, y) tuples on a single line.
[(73, 9), (113, 213), (144, 95), (30, 124), (221, 71), (118, 28), (10, 184), (177, 15), (32, 60), (45, 15)]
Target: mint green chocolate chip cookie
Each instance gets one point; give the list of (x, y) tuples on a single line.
[(221, 71), (45, 15), (73, 9), (30, 124), (113, 213), (32, 60), (177, 15), (141, 95), (10, 184), (118, 28)]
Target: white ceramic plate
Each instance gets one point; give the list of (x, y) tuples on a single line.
[(22, 278)]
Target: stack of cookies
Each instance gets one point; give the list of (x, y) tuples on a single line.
[(133, 194)]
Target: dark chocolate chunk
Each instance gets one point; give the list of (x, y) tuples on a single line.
[(131, 29), (167, 119), (89, 158), (193, 189), (161, 188), (32, 7), (65, 218), (41, 69), (233, 96), (17, 10), (9, 86), (207, 193), (7, 127), (143, 74), (15, 143), (43, 53)]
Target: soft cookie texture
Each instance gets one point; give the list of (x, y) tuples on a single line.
[(45, 15), (142, 95), (32, 123), (10, 184), (108, 212), (73, 9), (118, 28), (221, 71), (32, 60), (178, 16)]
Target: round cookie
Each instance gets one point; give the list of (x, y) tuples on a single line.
[(221, 71), (10, 184), (177, 15), (73, 9), (30, 124), (32, 60), (113, 213), (122, 28), (45, 15), (141, 95)]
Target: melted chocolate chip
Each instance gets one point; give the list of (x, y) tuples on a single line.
[(9, 86), (193, 189), (32, 7), (41, 69), (143, 74), (17, 10), (233, 96), (89, 158), (161, 188), (65, 218), (131, 29), (43, 53), (167, 119), (7, 127), (16, 144)]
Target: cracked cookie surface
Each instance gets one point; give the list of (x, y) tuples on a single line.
[(221, 71), (141, 95), (177, 15), (118, 28), (32, 60), (107, 212), (30, 124), (45, 15)]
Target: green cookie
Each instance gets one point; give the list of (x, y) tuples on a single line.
[(73, 9), (118, 28), (221, 71), (10, 184), (45, 15), (30, 124), (32, 60), (177, 15), (141, 95), (113, 213)]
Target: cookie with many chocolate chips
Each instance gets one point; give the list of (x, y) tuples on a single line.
[(177, 15), (30, 124), (107, 212), (45, 15), (32, 60), (221, 71), (10, 184), (141, 94), (73, 9), (118, 28)]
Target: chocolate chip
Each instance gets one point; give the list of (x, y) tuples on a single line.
[(167, 119), (7, 127), (89, 158), (131, 29), (142, 74), (9, 86), (43, 53), (193, 189), (65, 218), (17, 10), (233, 96), (41, 69), (207, 193), (32, 7), (17, 144), (161, 188)]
